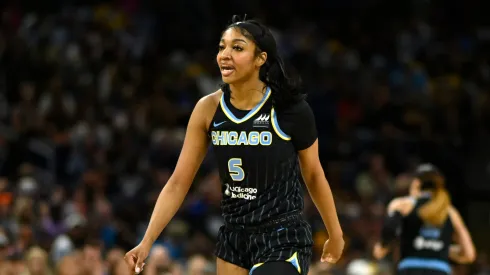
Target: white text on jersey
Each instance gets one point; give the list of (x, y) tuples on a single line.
[(253, 138)]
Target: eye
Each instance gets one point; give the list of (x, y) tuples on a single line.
[(237, 48), (221, 47)]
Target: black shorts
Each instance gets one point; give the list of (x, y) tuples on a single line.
[(286, 239)]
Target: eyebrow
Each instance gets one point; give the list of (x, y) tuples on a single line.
[(236, 40)]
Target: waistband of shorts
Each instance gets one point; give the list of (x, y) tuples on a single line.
[(280, 221)]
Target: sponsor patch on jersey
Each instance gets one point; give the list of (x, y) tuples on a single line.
[(421, 243), (237, 192)]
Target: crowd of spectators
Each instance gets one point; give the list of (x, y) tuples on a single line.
[(94, 101)]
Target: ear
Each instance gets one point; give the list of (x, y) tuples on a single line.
[(261, 59)]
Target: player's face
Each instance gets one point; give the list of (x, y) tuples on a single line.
[(237, 58)]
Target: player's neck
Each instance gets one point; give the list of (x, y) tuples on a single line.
[(247, 95)]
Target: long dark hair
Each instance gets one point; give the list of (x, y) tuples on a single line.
[(436, 210), (285, 86)]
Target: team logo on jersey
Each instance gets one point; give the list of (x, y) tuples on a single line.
[(262, 121), (236, 192), (217, 124)]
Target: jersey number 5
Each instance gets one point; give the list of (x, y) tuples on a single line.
[(235, 169)]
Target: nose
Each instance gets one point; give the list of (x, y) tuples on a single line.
[(225, 53)]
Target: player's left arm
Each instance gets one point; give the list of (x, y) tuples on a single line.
[(305, 139), (319, 189), (388, 232), (397, 209)]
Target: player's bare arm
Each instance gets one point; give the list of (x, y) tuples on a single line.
[(193, 152), (172, 195), (404, 205), (464, 251), (321, 195)]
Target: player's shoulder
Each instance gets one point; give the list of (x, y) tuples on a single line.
[(296, 110), (206, 107), (455, 217), (210, 101), (404, 205), (453, 212), (298, 106)]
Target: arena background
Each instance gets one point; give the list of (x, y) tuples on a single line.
[(95, 97)]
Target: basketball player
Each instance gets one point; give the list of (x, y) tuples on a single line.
[(428, 223), (264, 138)]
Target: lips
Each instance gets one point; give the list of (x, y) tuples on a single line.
[(226, 70)]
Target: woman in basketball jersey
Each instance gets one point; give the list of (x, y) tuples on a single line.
[(428, 224), (264, 137)]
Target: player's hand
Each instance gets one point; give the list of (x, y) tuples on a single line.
[(136, 257), (379, 252), (332, 250)]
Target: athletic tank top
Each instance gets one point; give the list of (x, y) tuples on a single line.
[(257, 163), (424, 246)]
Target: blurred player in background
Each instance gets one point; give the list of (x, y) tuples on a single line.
[(426, 223)]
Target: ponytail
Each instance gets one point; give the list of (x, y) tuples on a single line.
[(286, 89), (435, 211)]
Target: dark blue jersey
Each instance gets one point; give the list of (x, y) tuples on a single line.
[(257, 160), (424, 246)]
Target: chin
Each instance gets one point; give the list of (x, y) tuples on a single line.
[(228, 79), (225, 79)]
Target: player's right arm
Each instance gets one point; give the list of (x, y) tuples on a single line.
[(464, 251), (193, 152), (397, 209), (173, 194)]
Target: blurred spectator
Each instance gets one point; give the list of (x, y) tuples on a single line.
[(160, 263), (37, 262), (66, 244)]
